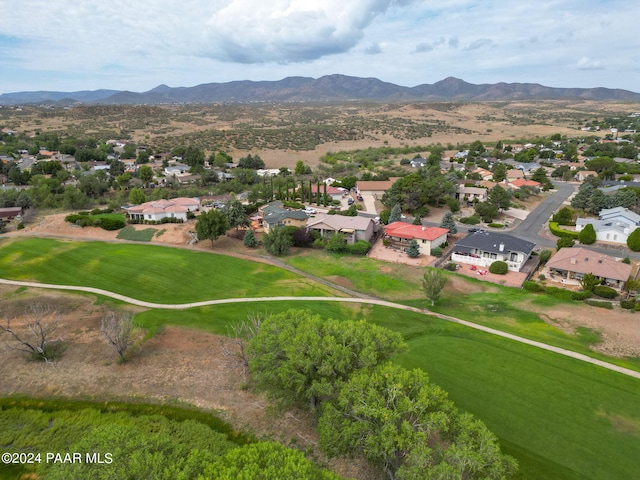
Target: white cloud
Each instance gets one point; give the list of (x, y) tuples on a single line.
[(255, 31), (586, 63)]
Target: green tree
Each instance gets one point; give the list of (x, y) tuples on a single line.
[(433, 281), (564, 216), (266, 461), (395, 215), (499, 197), (277, 241), (486, 210), (300, 168), (249, 239), (413, 250), (137, 196), (587, 235), (145, 173), (301, 358), (449, 223), (565, 242), (582, 199), (499, 172), (589, 281), (337, 243), (253, 162), (633, 241), (210, 225), (236, 215)]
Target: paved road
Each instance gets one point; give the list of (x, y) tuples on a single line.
[(370, 301)]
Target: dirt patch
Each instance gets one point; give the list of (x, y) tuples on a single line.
[(176, 366)]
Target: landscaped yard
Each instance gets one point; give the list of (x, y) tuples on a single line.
[(148, 272)]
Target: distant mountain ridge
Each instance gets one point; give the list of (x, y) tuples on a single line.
[(324, 89)]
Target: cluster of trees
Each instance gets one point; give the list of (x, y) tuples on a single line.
[(416, 191), (393, 417), (592, 199)]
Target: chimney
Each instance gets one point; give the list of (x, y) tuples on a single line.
[(572, 261), (501, 247), (424, 227)]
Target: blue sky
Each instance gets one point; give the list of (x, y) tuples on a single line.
[(69, 45)]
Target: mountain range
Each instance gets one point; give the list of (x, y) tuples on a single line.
[(329, 88)]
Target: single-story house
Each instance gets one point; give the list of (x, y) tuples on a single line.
[(483, 248), (9, 213), (354, 228), (484, 173), (521, 182), (375, 187), (575, 262), (159, 209), (469, 194), (514, 174), (582, 175), (419, 162), (274, 215), (428, 238), (615, 224), (336, 193), (176, 169)]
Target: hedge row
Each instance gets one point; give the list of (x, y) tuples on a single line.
[(104, 223), (559, 232), (605, 292), (556, 292)]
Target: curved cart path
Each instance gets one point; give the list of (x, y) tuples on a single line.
[(370, 301)]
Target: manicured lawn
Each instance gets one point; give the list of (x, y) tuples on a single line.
[(382, 279), (148, 272), (561, 418)]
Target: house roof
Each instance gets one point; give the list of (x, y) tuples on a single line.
[(581, 260), (275, 216), (462, 189), (340, 222), (521, 182), (330, 190), (409, 231), (606, 225), (620, 213), (491, 242)]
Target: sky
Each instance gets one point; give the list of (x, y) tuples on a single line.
[(136, 45)]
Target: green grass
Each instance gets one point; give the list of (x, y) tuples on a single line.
[(148, 272), (561, 418), (382, 279), (130, 233)]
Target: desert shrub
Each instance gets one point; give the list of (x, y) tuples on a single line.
[(86, 222), (20, 226), (595, 303), (451, 267), (604, 291), (628, 304), (542, 277), (361, 247), (499, 267), (531, 286), (472, 220), (73, 218)]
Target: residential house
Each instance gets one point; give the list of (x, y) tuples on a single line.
[(336, 193), (514, 174), (582, 175), (401, 234), (375, 187), (575, 262), (483, 248), (353, 228), (614, 225), (469, 194), (273, 215), (176, 169), (156, 210), (9, 213), (484, 173), (521, 182), (419, 162)]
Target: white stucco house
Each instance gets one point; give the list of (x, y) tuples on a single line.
[(156, 210), (483, 248), (614, 225)]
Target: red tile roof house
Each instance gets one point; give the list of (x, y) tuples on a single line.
[(335, 193), (521, 182), (400, 234), (159, 209)]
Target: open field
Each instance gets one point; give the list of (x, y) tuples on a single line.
[(284, 133), (560, 418), (148, 272)]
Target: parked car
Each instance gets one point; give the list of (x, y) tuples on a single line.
[(309, 211), (360, 197), (350, 201)]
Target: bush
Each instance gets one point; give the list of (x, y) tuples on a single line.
[(565, 242), (296, 205), (452, 267), (436, 252), (580, 295), (587, 235), (499, 267), (20, 226), (361, 247), (86, 222), (495, 225), (110, 224), (559, 232), (74, 218), (472, 220), (545, 255), (605, 292), (530, 286), (633, 241), (542, 277), (628, 304)]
